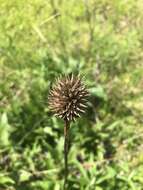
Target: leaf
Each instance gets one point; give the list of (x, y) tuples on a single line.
[(57, 186), (24, 175), (98, 92), (4, 130), (6, 180), (110, 173), (114, 124), (49, 131), (84, 175)]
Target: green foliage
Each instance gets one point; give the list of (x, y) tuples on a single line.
[(101, 40)]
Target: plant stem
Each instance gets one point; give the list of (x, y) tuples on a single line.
[(66, 151)]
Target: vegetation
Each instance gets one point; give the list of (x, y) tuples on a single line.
[(103, 41)]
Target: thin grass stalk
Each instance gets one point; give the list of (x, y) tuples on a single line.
[(66, 151)]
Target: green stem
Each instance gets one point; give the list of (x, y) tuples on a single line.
[(66, 151)]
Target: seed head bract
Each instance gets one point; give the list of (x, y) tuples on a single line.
[(68, 97)]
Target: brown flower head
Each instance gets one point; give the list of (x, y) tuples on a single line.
[(67, 98)]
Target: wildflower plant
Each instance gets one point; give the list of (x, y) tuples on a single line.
[(67, 100)]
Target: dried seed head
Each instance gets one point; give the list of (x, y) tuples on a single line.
[(67, 98)]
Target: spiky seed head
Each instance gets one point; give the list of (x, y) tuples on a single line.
[(68, 98)]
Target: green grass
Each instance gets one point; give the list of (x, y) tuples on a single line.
[(101, 40)]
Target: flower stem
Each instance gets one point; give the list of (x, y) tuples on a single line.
[(66, 151)]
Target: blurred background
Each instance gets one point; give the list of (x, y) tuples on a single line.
[(103, 41)]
